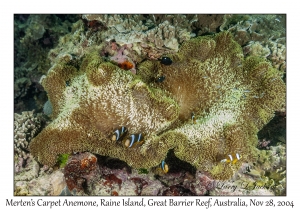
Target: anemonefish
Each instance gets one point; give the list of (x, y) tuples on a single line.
[(119, 134), (126, 65), (134, 140), (232, 158), (164, 167), (161, 169), (166, 61)]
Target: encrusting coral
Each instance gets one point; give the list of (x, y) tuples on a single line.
[(231, 97)]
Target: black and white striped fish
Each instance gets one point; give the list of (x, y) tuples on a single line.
[(134, 140), (119, 134), (231, 158)]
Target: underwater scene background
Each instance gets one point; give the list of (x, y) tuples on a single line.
[(149, 104)]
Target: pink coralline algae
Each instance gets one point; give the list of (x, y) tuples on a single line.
[(121, 59), (122, 182), (202, 184), (140, 184)]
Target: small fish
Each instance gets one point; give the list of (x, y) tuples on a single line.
[(166, 61), (134, 140), (232, 158), (160, 79), (194, 118), (126, 65), (164, 167), (119, 134)]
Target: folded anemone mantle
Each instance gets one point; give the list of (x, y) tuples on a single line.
[(231, 97)]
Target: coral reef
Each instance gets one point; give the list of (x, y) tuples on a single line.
[(259, 27), (216, 98), (265, 176), (136, 37), (271, 165), (26, 127), (34, 36), (207, 24), (112, 177), (202, 184), (278, 54), (163, 33), (231, 97), (80, 169), (263, 144), (261, 35), (26, 169), (254, 48), (123, 37), (46, 184)]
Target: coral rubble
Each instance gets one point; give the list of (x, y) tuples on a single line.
[(231, 97)]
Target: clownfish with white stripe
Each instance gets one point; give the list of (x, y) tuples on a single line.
[(134, 140), (232, 158), (164, 167), (161, 169), (119, 134)]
